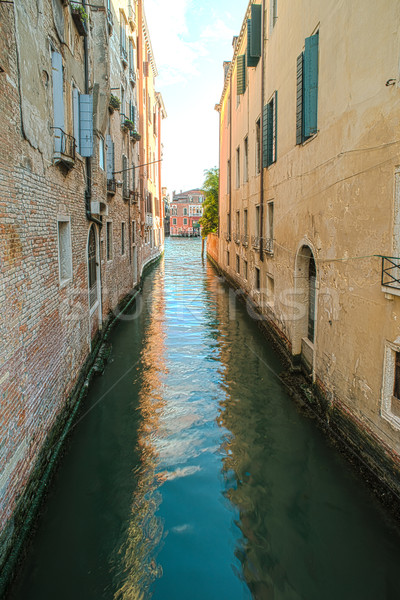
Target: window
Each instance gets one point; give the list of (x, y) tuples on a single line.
[(312, 278), (125, 177), (122, 36), (185, 221), (269, 242), (75, 115), (256, 278), (122, 238), (390, 409), (185, 211), (174, 221), (109, 240), (237, 263), (269, 131), (64, 250), (241, 75), (238, 222), (92, 267), (228, 178), (307, 90), (237, 167), (58, 99), (270, 290), (246, 158), (227, 258), (245, 221), (245, 269), (101, 154), (258, 146), (396, 390), (257, 223), (133, 233)]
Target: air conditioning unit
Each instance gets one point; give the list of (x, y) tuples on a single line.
[(99, 208)]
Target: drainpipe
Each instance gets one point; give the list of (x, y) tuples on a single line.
[(88, 191), (261, 136)]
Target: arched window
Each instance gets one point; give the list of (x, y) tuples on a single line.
[(312, 275), (92, 267)]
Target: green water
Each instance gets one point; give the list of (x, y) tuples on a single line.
[(191, 475)]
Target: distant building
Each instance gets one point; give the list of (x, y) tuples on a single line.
[(167, 210), (186, 212)]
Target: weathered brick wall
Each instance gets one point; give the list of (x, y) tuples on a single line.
[(212, 246)]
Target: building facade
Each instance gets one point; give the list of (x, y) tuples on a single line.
[(77, 226), (309, 204), (185, 213)]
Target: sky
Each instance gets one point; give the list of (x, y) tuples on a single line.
[(191, 39)]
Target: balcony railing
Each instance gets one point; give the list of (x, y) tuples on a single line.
[(124, 55), (109, 20), (236, 237), (255, 242), (131, 14), (64, 147), (132, 76), (391, 272), (149, 219), (227, 236), (111, 186), (268, 245), (245, 239)]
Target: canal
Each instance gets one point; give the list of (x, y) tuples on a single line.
[(191, 475)]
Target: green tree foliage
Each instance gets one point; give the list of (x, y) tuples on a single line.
[(209, 220)]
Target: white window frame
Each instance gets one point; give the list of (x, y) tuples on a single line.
[(64, 281), (389, 366)]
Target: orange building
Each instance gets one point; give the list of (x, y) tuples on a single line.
[(186, 212)]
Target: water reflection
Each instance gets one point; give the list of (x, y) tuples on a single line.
[(136, 563)]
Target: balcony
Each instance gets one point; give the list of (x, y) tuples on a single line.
[(268, 245), (64, 148), (124, 56), (111, 186), (132, 77), (255, 242), (245, 240), (80, 18), (131, 16), (391, 273), (149, 220), (236, 237)]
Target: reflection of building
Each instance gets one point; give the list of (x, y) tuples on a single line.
[(79, 216), (167, 211), (186, 211), (308, 151)]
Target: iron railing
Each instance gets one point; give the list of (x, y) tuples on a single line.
[(268, 245), (132, 76), (255, 242), (111, 186), (131, 14), (391, 272), (245, 239), (227, 236), (109, 20), (124, 55), (236, 237), (64, 145)]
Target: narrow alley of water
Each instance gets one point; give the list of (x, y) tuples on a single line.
[(191, 475)]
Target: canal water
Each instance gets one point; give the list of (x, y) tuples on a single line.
[(191, 475)]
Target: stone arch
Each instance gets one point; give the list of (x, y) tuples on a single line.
[(306, 284)]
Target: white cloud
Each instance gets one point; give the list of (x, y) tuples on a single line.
[(217, 31)]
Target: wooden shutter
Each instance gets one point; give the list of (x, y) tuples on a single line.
[(110, 157), (299, 100), (58, 99), (146, 69), (265, 136), (252, 61), (75, 115), (86, 124), (311, 85), (124, 176), (256, 30), (241, 74)]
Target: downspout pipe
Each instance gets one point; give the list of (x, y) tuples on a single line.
[(88, 190), (261, 135)]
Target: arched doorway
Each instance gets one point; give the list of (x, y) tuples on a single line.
[(303, 343), (92, 267)]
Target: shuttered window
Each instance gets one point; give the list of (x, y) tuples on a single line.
[(58, 98), (270, 122), (252, 61), (110, 157), (75, 115), (86, 124), (256, 30), (241, 74), (125, 183), (307, 90)]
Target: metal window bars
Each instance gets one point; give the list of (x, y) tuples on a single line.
[(268, 245), (391, 272), (255, 242), (64, 146)]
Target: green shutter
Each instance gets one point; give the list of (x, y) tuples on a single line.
[(252, 61), (265, 137), (241, 74), (270, 133), (256, 37), (299, 100), (275, 138), (311, 86)]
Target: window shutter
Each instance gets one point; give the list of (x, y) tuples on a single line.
[(135, 118), (252, 61), (256, 30), (265, 127), (310, 85), (124, 176), (110, 157), (299, 100), (58, 98), (146, 69), (270, 133), (86, 124), (241, 74), (75, 112)]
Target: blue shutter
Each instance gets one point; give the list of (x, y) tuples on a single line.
[(75, 112), (311, 86), (58, 98), (265, 136), (110, 157), (299, 100), (256, 33), (241, 74), (252, 61), (86, 124)]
